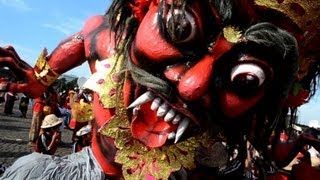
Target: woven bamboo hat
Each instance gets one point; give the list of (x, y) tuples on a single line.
[(50, 120)]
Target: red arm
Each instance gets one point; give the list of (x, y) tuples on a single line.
[(68, 54)]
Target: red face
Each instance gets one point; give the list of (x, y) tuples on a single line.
[(188, 50)]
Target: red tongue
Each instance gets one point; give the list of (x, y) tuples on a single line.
[(150, 129)]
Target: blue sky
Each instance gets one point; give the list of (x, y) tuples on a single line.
[(32, 25), (310, 112)]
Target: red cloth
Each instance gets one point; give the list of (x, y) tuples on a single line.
[(38, 105)]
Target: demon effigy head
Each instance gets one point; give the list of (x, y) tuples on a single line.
[(222, 67), (215, 64)]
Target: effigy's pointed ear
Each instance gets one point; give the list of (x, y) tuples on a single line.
[(140, 8)]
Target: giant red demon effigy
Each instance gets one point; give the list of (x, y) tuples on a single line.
[(183, 88)]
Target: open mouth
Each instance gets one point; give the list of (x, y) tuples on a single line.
[(155, 121)]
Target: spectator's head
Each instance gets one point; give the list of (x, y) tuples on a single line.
[(47, 110), (84, 134), (51, 123)]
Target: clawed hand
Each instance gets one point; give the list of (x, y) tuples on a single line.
[(23, 74)]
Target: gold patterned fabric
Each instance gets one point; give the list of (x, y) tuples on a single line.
[(305, 13), (80, 110), (139, 161), (105, 81)]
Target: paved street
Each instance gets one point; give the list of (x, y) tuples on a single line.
[(14, 137)]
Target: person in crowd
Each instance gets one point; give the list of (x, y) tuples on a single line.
[(2, 94), (81, 112), (39, 111), (10, 98), (37, 116), (49, 138), (83, 138), (65, 114), (53, 100), (23, 105)]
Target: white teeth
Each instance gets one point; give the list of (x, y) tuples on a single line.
[(176, 119), (163, 109), (169, 116), (172, 135), (146, 97), (155, 104), (181, 128)]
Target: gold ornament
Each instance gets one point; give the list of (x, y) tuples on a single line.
[(305, 13), (42, 70), (232, 34), (81, 111)]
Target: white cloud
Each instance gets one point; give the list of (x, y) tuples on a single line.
[(314, 123), (17, 4), (67, 26)]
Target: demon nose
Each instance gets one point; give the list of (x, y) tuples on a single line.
[(194, 83)]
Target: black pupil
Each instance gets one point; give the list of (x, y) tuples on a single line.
[(179, 27), (245, 84)]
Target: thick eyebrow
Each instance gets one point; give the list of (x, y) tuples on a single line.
[(247, 58)]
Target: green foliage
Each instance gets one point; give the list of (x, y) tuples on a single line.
[(63, 85)]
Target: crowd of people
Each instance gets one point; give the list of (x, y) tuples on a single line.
[(51, 113)]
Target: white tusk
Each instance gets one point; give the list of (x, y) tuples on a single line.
[(172, 135), (155, 104), (170, 115), (163, 109), (181, 128), (146, 97), (176, 119)]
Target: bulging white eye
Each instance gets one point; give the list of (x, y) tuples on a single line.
[(248, 72), (247, 78)]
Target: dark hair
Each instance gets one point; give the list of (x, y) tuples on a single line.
[(281, 51), (123, 23)]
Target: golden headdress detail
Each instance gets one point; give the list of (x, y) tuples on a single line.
[(305, 15)]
